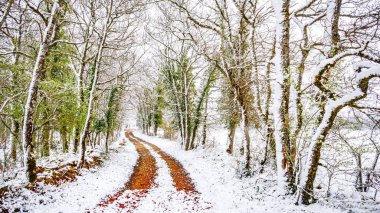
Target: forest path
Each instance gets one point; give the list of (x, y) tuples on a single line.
[(148, 179), (141, 180)]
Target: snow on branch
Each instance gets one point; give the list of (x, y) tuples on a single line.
[(304, 7), (323, 64), (365, 72)]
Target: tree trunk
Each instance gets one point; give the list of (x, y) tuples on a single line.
[(76, 138), (231, 137), (325, 122), (27, 134), (269, 145), (245, 124), (327, 115), (45, 148), (359, 182), (155, 130), (14, 138), (299, 105), (281, 87), (268, 121), (86, 128), (80, 90), (65, 142), (204, 134), (247, 139), (202, 99), (15, 125), (107, 136), (187, 119)]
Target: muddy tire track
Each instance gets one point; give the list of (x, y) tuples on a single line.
[(141, 180), (181, 178)]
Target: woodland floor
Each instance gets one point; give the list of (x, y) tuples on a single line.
[(159, 176)]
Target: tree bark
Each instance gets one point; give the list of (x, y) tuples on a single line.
[(325, 122), (270, 145), (204, 133), (241, 94), (281, 102), (45, 148), (14, 138), (86, 128), (231, 137), (76, 139), (27, 134), (65, 141), (202, 99), (326, 116)]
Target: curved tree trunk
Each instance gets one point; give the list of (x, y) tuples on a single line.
[(325, 122)]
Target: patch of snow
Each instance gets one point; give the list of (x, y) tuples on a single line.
[(214, 174), (88, 190)]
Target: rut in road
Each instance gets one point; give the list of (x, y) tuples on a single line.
[(141, 180), (182, 181), (181, 178), (144, 173)]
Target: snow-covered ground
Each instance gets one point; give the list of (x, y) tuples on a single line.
[(88, 190), (214, 174), (165, 198)]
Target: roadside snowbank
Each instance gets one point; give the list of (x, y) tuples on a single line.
[(87, 191), (214, 174)]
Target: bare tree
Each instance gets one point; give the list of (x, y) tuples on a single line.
[(27, 132)]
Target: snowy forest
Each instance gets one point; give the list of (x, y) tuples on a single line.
[(189, 106)]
